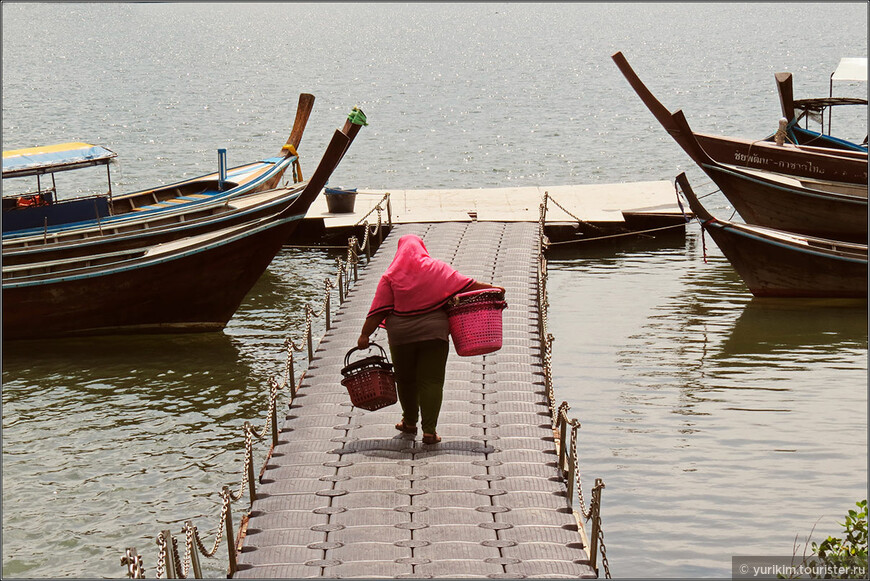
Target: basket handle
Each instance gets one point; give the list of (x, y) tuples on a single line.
[(497, 294), (371, 344)]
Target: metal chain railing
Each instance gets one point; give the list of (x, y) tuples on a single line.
[(134, 564), (565, 442), (564, 209), (170, 565)]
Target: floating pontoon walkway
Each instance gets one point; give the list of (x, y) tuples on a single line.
[(346, 495)]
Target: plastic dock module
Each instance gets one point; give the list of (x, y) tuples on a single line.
[(347, 495)]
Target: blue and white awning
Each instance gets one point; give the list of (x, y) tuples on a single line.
[(52, 158)]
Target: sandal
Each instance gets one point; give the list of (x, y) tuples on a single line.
[(431, 438), (405, 428)]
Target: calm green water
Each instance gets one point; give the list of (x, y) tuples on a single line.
[(722, 425)]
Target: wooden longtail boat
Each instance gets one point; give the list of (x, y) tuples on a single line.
[(810, 165), (191, 284), (794, 111), (159, 226), (40, 216), (56, 257), (774, 263), (763, 198)]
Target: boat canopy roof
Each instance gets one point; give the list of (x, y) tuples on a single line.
[(851, 69), (53, 158)]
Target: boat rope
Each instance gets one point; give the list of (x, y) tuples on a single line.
[(382, 205), (619, 235), (297, 169), (703, 224), (781, 133), (170, 564), (568, 463), (548, 197)]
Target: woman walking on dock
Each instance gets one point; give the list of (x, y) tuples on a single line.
[(410, 302)]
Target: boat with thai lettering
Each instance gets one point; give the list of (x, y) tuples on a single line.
[(776, 200), (813, 166), (774, 263), (187, 284)]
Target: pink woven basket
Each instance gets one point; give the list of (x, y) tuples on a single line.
[(476, 321)]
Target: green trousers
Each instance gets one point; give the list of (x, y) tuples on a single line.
[(419, 371)]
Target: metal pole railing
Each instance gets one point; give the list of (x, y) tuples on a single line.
[(249, 456), (572, 461), (563, 437), (192, 550), (168, 562), (169, 555), (568, 457), (596, 522), (273, 419), (231, 545)]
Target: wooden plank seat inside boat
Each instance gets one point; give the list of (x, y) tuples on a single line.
[(185, 193), (192, 197)]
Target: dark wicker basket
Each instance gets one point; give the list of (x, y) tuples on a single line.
[(370, 382)]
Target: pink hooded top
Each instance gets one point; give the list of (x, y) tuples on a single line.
[(415, 283)]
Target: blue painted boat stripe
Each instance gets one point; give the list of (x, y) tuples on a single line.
[(243, 232), (121, 219)]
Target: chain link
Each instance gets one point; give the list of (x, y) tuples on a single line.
[(579, 221), (193, 541), (579, 483), (220, 529), (181, 572), (377, 209), (559, 416), (249, 459), (161, 555), (188, 548), (603, 550), (135, 570), (587, 512)]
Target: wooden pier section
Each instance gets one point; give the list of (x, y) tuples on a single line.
[(576, 211), (346, 495)]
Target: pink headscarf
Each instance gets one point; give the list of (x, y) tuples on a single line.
[(415, 283)]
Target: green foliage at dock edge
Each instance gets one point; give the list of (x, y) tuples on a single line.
[(836, 558), (850, 552)]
